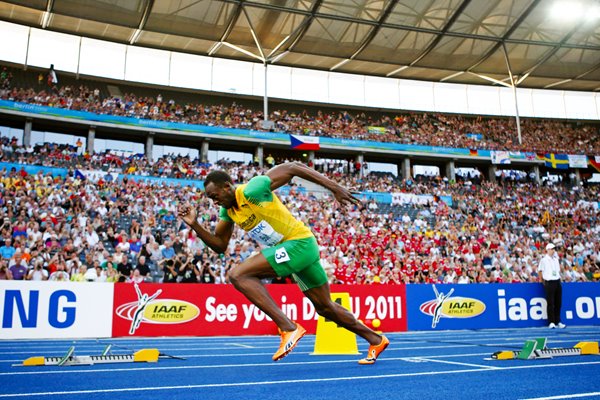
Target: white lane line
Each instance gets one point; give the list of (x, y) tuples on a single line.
[(244, 345), (398, 358), (568, 396), (283, 382), (256, 343), (460, 363), (274, 347), (238, 365), (425, 334), (263, 342), (399, 337)]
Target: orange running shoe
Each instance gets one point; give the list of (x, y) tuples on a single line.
[(288, 341), (375, 351)]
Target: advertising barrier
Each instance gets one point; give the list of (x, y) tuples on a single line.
[(212, 310), (89, 310), (55, 310), (34, 169), (479, 306)]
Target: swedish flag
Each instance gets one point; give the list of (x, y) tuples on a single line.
[(556, 161)]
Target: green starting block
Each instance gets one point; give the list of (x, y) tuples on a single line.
[(537, 349)]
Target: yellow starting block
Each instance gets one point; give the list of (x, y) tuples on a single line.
[(69, 359), (536, 349)]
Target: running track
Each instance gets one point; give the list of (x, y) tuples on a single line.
[(417, 365)]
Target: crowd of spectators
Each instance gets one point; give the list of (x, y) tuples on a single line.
[(69, 228), (493, 133)]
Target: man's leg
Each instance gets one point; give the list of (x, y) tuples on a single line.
[(550, 292), (246, 278), (557, 302), (321, 298)]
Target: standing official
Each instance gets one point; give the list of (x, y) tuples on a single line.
[(550, 270)]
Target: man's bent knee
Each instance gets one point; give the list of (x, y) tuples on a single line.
[(235, 277)]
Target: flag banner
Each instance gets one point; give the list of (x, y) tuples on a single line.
[(95, 175), (577, 161), (79, 175), (595, 163), (475, 136), (473, 152), (304, 142), (556, 161), (500, 157), (376, 129)]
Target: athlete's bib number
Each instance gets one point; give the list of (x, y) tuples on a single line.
[(264, 234), (281, 255)]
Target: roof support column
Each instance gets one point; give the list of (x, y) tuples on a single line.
[(265, 100), (149, 145), (91, 137), (259, 155), (204, 151), (450, 171), (514, 88), (27, 132), (492, 173), (534, 174)]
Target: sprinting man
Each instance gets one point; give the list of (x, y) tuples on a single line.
[(143, 301), (441, 298), (290, 248)]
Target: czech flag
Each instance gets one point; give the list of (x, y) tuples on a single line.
[(304, 142), (79, 175)]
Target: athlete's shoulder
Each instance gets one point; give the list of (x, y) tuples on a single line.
[(258, 189)]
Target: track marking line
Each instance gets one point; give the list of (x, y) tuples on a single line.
[(192, 356), (237, 365), (460, 363), (242, 345), (259, 344), (282, 382), (274, 347), (567, 396), (503, 332)]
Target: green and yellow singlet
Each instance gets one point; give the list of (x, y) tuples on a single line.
[(262, 215)]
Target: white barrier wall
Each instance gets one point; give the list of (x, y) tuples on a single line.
[(31, 46), (30, 310)]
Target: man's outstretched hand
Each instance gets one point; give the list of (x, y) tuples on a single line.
[(344, 196), (187, 213)]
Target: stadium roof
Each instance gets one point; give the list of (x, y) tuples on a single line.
[(460, 41)]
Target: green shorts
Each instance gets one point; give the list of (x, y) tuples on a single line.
[(299, 258)]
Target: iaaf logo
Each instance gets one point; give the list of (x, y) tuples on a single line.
[(148, 309), (451, 307)]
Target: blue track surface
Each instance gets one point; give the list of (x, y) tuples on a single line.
[(433, 365)]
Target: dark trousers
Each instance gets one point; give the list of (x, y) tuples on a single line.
[(553, 300)]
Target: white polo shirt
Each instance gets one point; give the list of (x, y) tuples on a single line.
[(550, 268)]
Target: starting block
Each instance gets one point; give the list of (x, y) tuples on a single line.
[(537, 350), (69, 359)]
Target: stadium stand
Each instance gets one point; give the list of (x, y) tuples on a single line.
[(491, 233), (538, 135)]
